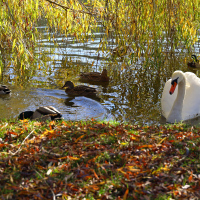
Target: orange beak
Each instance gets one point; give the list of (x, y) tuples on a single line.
[(173, 87)]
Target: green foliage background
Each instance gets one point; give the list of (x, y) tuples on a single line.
[(144, 26)]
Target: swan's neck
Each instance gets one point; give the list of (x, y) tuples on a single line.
[(175, 114)]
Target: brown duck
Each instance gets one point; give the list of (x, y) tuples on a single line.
[(195, 63), (79, 90), (95, 76), (4, 90)]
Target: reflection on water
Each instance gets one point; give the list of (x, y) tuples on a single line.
[(133, 93), (77, 108), (192, 122)]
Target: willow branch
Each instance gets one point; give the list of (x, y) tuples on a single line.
[(80, 11), (68, 8), (83, 6)]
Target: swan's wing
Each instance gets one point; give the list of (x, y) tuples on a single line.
[(192, 79), (191, 103), (167, 100)]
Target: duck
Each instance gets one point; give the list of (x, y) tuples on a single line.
[(195, 62), (42, 113), (95, 76), (180, 97), (121, 51), (4, 90), (79, 90)]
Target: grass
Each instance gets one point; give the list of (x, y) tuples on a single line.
[(98, 160)]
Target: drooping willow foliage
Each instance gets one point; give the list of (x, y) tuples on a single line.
[(139, 27)]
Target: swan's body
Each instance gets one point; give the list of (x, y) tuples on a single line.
[(184, 101)]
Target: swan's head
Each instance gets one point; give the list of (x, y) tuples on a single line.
[(177, 77)]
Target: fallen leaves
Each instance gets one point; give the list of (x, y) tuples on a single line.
[(75, 160), (69, 157)]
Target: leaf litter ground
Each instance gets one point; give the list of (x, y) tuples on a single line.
[(97, 160)]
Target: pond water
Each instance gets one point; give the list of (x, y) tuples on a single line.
[(76, 108), (132, 95)]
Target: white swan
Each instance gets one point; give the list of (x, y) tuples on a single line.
[(182, 103)]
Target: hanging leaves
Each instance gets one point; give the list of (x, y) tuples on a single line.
[(132, 23)]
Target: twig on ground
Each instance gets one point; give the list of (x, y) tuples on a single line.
[(23, 142), (54, 196)]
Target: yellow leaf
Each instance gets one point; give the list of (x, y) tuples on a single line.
[(133, 138), (145, 146), (124, 143), (69, 157), (25, 120), (79, 138), (121, 170), (125, 194), (14, 42), (11, 179), (162, 140), (65, 197), (73, 158), (101, 183), (181, 20), (92, 188), (133, 169), (165, 168)]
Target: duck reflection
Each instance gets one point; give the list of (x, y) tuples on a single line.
[(69, 102), (103, 84), (81, 108)]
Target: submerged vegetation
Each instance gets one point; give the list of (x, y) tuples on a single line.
[(98, 160)]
